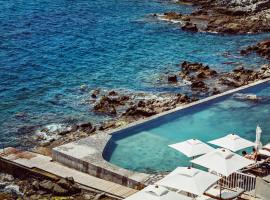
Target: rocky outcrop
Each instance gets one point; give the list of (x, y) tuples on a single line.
[(229, 16), (108, 104), (37, 188), (196, 70), (105, 105), (206, 81), (262, 49), (63, 187), (197, 73), (241, 76), (147, 108)]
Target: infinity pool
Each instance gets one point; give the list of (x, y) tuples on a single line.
[(145, 148)]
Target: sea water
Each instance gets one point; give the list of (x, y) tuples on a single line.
[(48, 49)]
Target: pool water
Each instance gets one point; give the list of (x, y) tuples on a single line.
[(145, 149)]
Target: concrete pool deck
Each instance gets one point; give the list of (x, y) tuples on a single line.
[(86, 155), (35, 162)]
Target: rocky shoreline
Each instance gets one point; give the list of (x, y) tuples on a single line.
[(208, 81), (34, 188), (227, 17), (122, 108)]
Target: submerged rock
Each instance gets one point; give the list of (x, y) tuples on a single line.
[(84, 88)]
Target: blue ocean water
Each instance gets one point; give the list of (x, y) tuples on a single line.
[(146, 149), (48, 49)]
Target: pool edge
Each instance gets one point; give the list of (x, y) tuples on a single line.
[(93, 161)]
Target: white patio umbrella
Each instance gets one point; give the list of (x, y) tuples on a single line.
[(192, 147), (223, 161), (152, 192), (189, 179), (232, 142), (258, 143)]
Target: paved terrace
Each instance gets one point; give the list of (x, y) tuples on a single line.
[(86, 154), (32, 160)]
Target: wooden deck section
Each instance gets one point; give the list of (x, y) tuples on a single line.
[(37, 161)]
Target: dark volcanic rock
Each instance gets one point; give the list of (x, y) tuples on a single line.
[(197, 69), (87, 127), (199, 85), (190, 27), (105, 105), (172, 79), (136, 111), (262, 49), (113, 93)]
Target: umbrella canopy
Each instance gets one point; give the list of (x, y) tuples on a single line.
[(232, 142), (223, 161), (152, 192), (189, 179), (192, 147), (258, 137)]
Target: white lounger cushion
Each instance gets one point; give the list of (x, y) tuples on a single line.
[(264, 152)]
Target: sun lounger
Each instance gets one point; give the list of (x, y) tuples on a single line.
[(226, 194), (264, 152)]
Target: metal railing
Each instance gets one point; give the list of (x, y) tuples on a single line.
[(246, 182)]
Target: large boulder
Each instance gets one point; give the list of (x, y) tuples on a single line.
[(58, 190), (46, 185), (64, 183), (106, 106), (188, 26), (87, 127)]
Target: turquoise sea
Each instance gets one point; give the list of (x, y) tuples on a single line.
[(48, 49)]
